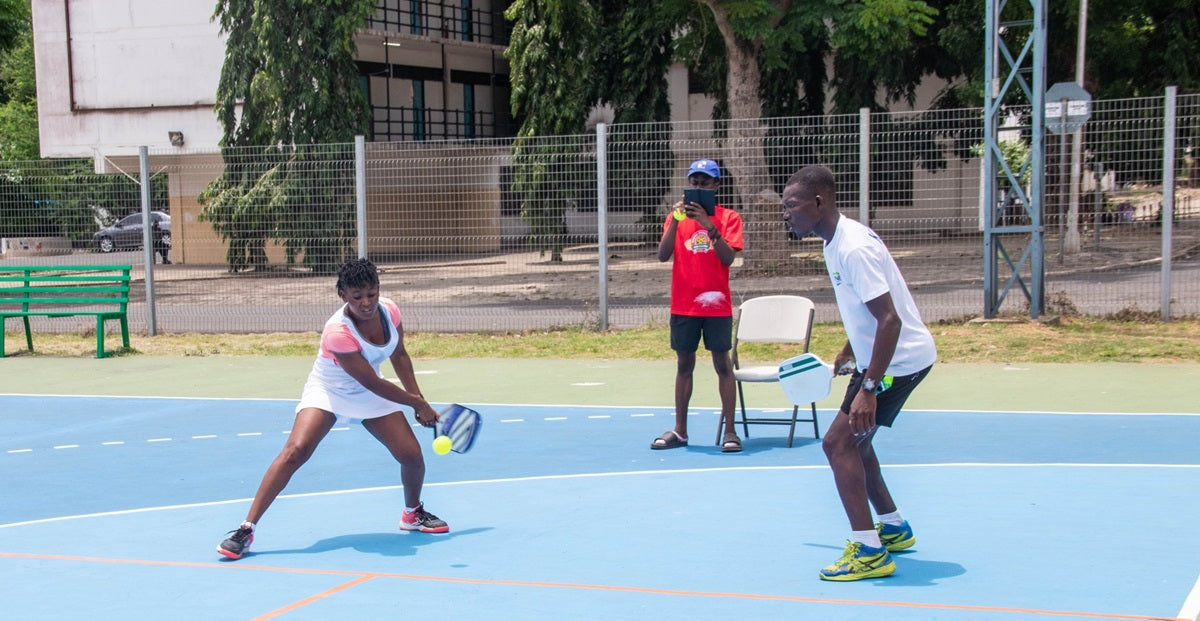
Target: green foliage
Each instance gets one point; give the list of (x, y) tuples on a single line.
[(18, 130), (873, 44), (289, 65), (1015, 154), (630, 75), (19, 212), (14, 22), (1135, 48), (699, 45), (551, 55), (18, 87)]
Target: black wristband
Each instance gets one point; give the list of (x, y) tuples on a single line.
[(714, 234)]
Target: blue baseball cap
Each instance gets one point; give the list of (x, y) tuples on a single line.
[(707, 167)]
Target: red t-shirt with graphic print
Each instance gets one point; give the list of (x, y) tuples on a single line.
[(699, 281)]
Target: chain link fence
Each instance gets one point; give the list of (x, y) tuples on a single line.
[(522, 234)]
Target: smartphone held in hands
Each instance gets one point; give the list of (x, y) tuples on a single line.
[(705, 198)]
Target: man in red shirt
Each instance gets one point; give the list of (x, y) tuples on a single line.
[(703, 245)]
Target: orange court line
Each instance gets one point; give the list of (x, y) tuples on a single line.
[(308, 600), (362, 576)]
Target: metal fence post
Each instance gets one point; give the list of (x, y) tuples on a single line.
[(360, 193), (602, 219), (1167, 211), (864, 166), (147, 238)]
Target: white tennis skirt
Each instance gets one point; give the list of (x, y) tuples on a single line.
[(346, 404)]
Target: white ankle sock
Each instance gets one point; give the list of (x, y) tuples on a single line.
[(248, 524), (892, 518), (869, 538)]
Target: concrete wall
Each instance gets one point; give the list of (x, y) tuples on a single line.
[(116, 74), (13, 247), (946, 200)]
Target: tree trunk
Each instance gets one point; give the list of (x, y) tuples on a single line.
[(757, 201)]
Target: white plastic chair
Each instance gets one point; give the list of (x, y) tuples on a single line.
[(770, 319)]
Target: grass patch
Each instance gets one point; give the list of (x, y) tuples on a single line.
[(1070, 339)]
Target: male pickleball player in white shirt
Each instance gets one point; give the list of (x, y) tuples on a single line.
[(892, 351)]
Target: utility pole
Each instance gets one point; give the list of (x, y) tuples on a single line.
[(1073, 238)]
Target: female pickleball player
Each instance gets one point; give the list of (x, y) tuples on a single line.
[(346, 383)]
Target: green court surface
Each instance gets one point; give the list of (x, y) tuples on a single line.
[(1099, 387)]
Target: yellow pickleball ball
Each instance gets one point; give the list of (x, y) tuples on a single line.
[(680, 214), (441, 445)]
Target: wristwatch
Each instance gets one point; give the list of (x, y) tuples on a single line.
[(714, 234), (869, 384)]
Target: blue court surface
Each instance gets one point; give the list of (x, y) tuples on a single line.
[(112, 507)]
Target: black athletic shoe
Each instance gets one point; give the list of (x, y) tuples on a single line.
[(237, 544)]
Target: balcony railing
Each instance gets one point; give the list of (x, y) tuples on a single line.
[(435, 19), (406, 123)]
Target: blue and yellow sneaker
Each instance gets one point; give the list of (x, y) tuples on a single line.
[(896, 538), (859, 562)]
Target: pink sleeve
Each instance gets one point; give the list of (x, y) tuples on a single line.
[(337, 339), (393, 310)]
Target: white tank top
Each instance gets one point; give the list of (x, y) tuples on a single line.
[(328, 372)]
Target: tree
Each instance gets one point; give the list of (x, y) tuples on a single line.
[(14, 22), (764, 36), (733, 43), (551, 55), (18, 86), (1135, 48), (290, 66), (631, 68)]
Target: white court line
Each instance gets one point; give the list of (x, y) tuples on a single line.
[(907, 412), (1191, 606), (584, 475), (159, 440), (601, 416), (555, 418), (609, 407), (205, 437), (250, 433), (113, 443)]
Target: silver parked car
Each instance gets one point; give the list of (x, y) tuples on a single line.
[(127, 232)]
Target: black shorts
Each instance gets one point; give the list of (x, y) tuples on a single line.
[(686, 331), (890, 397)]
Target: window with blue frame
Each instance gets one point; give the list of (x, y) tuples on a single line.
[(414, 7), (468, 110), (418, 109), (466, 20)]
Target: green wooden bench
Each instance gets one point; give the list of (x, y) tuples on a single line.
[(64, 291)]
